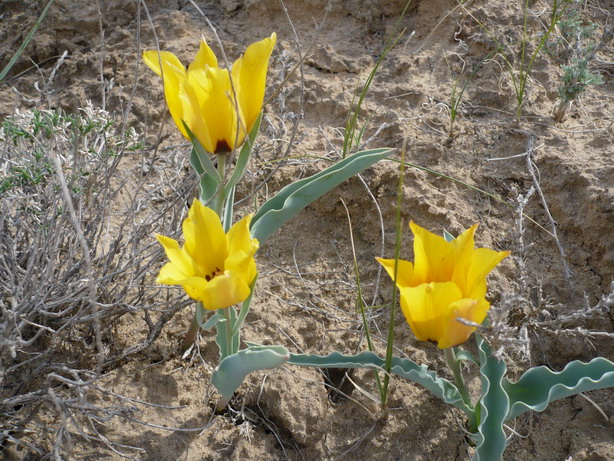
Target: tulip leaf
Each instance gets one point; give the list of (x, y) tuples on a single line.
[(221, 334), (236, 328), (209, 324), (462, 354), (232, 370), (275, 212), (402, 367), (447, 236), (539, 386), (492, 408), (244, 156), (201, 161), (208, 186)]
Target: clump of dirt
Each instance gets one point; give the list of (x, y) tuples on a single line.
[(557, 173)]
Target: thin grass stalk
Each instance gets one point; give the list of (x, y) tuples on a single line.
[(352, 121), (361, 305), (26, 42), (397, 253)]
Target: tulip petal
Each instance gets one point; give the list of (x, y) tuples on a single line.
[(224, 291), (249, 78), (174, 76), (455, 332), (464, 246), (483, 261), (205, 240), (405, 272), (433, 256), (171, 274), (219, 112), (181, 262), (241, 249), (197, 90), (426, 308), (168, 60), (205, 57)]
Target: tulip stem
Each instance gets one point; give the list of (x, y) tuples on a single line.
[(229, 326), (455, 366), (220, 196)]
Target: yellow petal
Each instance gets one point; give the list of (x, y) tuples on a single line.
[(224, 291), (197, 91), (183, 265), (170, 274), (205, 240), (168, 60), (205, 57), (219, 112), (174, 76), (194, 287), (239, 238), (426, 308), (455, 332), (433, 256), (483, 261), (463, 246), (249, 78), (241, 250), (405, 272)]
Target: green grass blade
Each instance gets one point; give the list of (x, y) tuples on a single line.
[(26, 42)]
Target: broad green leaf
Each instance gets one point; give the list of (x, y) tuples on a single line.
[(231, 371), (493, 406), (212, 322), (402, 367), (296, 196), (462, 354), (204, 163), (539, 386), (221, 334), (201, 161), (208, 186)]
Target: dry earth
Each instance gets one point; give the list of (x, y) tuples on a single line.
[(306, 291)]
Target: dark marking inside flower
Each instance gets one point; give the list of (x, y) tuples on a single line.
[(214, 274), (222, 147)]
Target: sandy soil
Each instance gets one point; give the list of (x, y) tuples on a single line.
[(306, 291)]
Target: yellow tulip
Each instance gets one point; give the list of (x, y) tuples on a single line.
[(219, 107), (212, 267), (446, 282)]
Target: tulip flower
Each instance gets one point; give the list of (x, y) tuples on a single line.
[(446, 282), (212, 267), (219, 107)]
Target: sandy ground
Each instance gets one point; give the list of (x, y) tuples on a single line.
[(306, 291)]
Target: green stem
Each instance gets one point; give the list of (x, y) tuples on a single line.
[(454, 365), (220, 195), (228, 325)]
